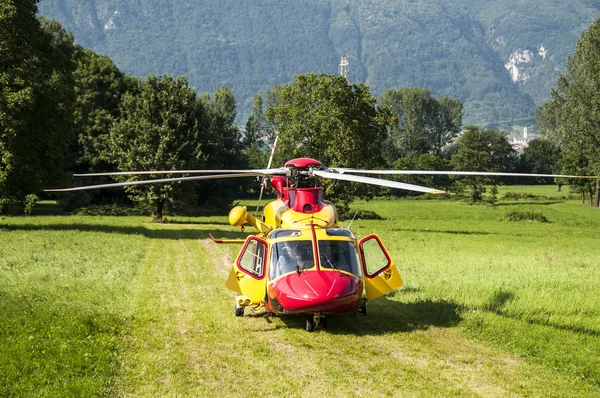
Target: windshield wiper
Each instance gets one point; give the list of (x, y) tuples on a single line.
[(329, 262)]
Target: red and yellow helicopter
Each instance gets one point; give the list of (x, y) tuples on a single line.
[(300, 261)]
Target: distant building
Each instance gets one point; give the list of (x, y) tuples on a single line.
[(343, 67), (519, 144)]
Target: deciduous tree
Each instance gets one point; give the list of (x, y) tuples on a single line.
[(36, 97), (542, 157), (159, 129), (256, 136), (572, 117), (482, 150), (423, 123), (99, 86), (327, 118), (223, 148)]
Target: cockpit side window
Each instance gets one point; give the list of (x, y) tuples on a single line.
[(340, 255), (252, 260), (291, 256)]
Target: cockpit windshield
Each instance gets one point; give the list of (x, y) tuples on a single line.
[(291, 256), (338, 254)]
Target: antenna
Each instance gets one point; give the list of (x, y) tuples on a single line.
[(263, 183), (352, 219), (343, 67)]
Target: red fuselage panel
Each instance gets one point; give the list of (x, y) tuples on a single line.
[(315, 292), (304, 200)]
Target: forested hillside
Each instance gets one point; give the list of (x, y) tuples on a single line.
[(499, 57)]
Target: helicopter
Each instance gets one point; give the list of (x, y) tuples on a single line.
[(300, 261)]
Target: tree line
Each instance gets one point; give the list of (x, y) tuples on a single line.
[(571, 119), (65, 109)]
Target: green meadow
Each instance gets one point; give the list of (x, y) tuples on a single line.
[(118, 306)]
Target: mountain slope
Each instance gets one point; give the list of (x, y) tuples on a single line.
[(499, 57)]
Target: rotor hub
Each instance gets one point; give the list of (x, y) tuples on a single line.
[(303, 163)]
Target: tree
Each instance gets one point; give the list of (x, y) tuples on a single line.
[(577, 164), (159, 129), (256, 124), (99, 86), (223, 104), (542, 157), (424, 124), (36, 98), (325, 117), (223, 146), (482, 150), (256, 135), (219, 115), (426, 161), (449, 123), (572, 116)]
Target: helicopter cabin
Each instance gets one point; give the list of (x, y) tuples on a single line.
[(320, 270)]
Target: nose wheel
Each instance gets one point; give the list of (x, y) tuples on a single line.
[(239, 309), (317, 321), (362, 311)]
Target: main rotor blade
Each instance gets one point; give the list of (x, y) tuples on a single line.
[(376, 181), (464, 173), (125, 184), (280, 171)]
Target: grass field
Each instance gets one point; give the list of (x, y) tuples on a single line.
[(118, 306)]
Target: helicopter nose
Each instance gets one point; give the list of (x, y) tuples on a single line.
[(315, 291)]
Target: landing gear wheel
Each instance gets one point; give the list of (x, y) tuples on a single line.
[(362, 311), (310, 325), (323, 323), (239, 309)]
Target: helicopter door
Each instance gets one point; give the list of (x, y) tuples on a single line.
[(381, 274), (247, 277)]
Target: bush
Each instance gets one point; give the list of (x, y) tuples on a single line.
[(6, 206), (527, 195), (518, 215), (30, 201), (428, 196), (493, 194), (519, 196), (361, 215), (110, 210)]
